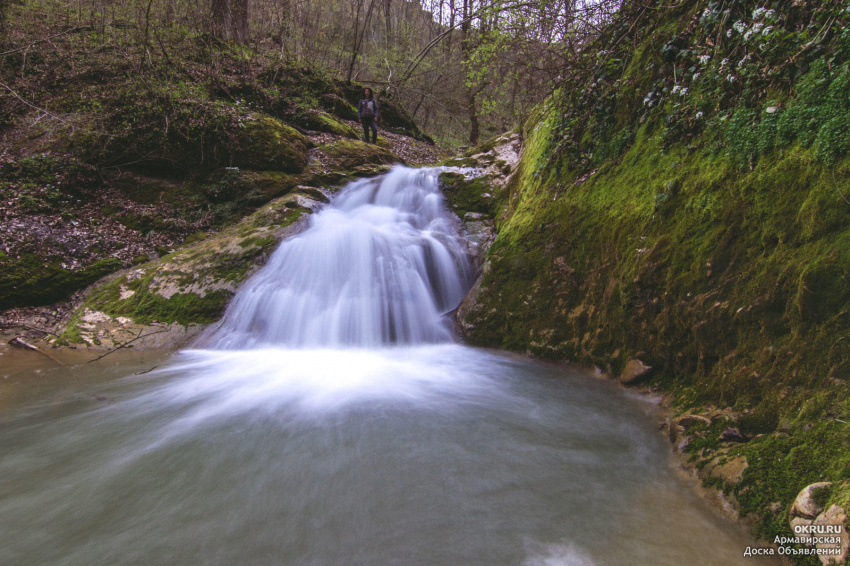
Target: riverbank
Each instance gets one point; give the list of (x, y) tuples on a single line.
[(655, 253)]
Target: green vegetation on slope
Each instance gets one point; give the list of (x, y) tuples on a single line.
[(705, 233), (118, 143)]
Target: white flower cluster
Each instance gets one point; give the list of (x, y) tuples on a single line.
[(704, 59), (764, 14), (680, 90)]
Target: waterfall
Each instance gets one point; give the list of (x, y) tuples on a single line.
[(382, 264)]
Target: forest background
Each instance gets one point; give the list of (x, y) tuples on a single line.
[(464, 70)]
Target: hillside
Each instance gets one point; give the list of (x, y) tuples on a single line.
[(114, 154), (682, 205)]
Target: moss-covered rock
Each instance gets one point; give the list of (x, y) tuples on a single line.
[(33, 280), (338, 106), (732, 284), (191, 285), (358, 159), (323, 122), (465, 194), (268, 144)]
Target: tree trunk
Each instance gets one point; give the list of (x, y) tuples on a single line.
[(229, 20), (466, 52), (473, 117), (359, 35), (239, 21)]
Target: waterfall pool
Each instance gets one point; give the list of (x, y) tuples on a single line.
[(330, 419), (432, 455)]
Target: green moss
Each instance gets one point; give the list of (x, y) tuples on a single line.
[(268, 144), (32, 280), (781, 465), (195, 237), (732, 284), (323, 122), (358, 158), (337, 106), (469, 195), (258, 241)]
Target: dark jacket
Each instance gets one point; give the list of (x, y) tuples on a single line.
[(361, 108)]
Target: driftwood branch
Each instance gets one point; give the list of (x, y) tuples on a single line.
[(125, 344)]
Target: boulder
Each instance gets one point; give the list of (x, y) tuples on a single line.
[(835, 515), (634, 370), (805, 505), (358, 158), (268, 144), (323, 122), (338, 106)]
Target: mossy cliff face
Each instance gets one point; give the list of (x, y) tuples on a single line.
[(189, 287), (731, 284), (683, 223)]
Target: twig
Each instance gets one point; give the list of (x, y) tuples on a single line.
[(147, 370), (21, 343), (125, 344), (33, 106), (37, 329)]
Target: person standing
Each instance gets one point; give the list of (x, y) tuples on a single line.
[(369, 112)]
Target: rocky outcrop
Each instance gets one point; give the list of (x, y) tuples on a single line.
[(472, 185), (166, 301), (267, 143)]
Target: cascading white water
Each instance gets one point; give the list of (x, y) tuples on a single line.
[(382, 264)]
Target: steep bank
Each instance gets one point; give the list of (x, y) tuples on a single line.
[(113, 156), (679, 218)]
